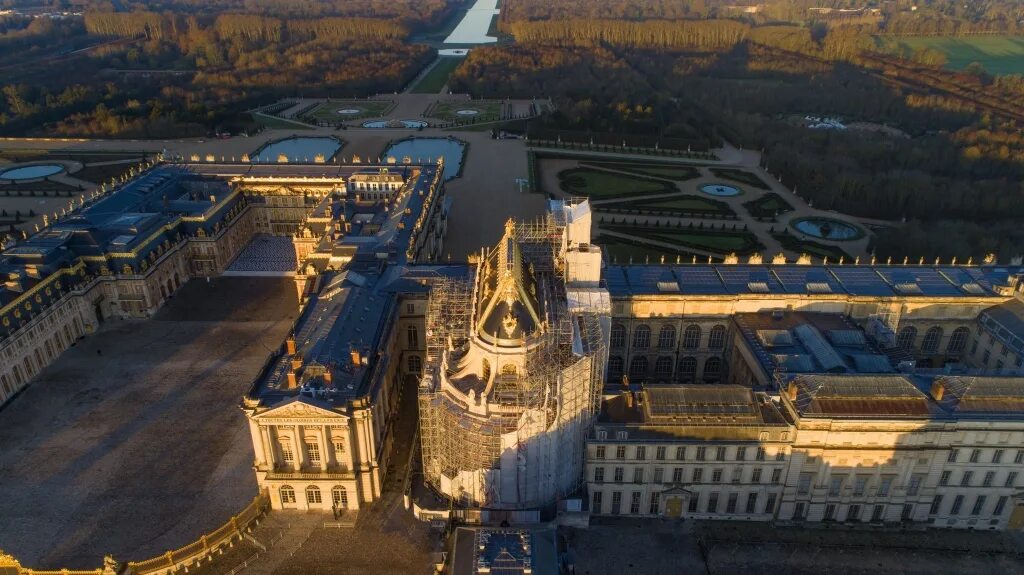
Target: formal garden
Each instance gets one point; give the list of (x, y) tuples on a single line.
[(465, 112), (335, 112), (602, 185), (741, 176), (719, 239), (667, 171), (767, 207), (681, 206)]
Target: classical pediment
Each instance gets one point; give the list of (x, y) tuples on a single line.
[(299, 408)]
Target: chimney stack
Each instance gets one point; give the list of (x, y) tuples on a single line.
[(328, 377), (290, 343), (292, 380), (296, 363)]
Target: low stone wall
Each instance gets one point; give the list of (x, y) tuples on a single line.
[(176, 561)]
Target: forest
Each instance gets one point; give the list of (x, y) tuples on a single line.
[(946, 154), (175, 74)]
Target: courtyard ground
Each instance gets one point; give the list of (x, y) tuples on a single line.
[(131, 443), (612, 546)]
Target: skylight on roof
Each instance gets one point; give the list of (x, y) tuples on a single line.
[(757, 287)]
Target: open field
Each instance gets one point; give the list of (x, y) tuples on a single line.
[(437, 77), (997, 54), (598, 184), (131, 443)]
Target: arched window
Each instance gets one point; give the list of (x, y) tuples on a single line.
[(691, 337), (687, 369), (415, 364), (412, 336), (712, 369), (287, 494), (932, 337), (508, 369), (340, 497), (642, 337), (905, 338), (638, 368), (487, 370), (958, 341), (663, 367), (618, 338), (313, 494), (716, 338), (667, 337), (614, 368)]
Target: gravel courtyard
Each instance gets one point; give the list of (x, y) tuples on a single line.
[(132, 443)]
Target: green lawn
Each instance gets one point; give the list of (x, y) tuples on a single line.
[(622, 251), (328, 111), (998, 54), (678, 206), (815, 249), (599, 184), (274, 122), (437, 77), (677, 173), (723, 242), (767, 206), (741, 176), (487, 111)]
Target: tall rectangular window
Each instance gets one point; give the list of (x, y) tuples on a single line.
[(659, 475), (677, 475), (694, 502), (286, 452), (1019, 458), (835, 485), (997, 456), (853, 514), (877, 513), (741, 454), (884, 485), (716, 476), (713, 502), (751, 503), (620, 452), (800, 511), (936, 505), (730, 505), (634, 503), (769, 504), (599, 474), (600, 452), (760, 454), (313, 452), (654, 509), (908, 512), (975, 455), (638, 475), (755, 475), (944, 478), (641, 452), (776, 476), (860, 484), (965, 480), (619, 472), (989, 477), (681, 453), (804, 484), (616, 502), (698, 475), (659, 453), (915, 484), (780, 455), (1000, 505), (701, 453), (1011, 479), (737, 474), (953, 454), (595, 505), (830, 512), (720, 454), (979, 504), (958, 502)]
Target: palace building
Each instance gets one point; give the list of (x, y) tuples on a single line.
[(543, 378)]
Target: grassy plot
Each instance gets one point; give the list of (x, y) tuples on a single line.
[(678, 206), (622, 251), (767, 206), (598, 184), (723, 242), (471, 111), (810, 248), (330, 112), (437, 77), (670, 172), (274, 122), (741, 176), (997, 54)]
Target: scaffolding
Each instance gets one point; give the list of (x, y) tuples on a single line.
[(547, 407)]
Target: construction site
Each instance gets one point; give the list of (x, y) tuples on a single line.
[(515, 363)]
